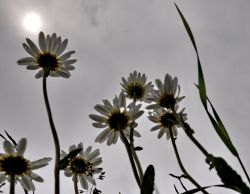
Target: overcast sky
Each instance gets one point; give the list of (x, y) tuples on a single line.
[(113, 38)]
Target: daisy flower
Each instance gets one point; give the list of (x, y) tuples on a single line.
[(135, 86), (12, 162), (48, 57), (166, 121), (165, 96), (84, 166), (114, 118)]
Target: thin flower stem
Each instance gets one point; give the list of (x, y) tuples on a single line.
[(181, 165), (12, 184), (242, 166), (55, 138), (131, 159), (75, 185), (137, 161), (190, 134)]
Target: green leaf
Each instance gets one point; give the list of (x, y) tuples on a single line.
[(148, 181), (63, 163), (201, 81), (217, 123), (230, 177)]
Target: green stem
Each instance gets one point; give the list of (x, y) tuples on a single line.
[(189, 133), (137, 161), (75, 184), (12, 184), (55, 138), (242, 166), (131, 159), (181, 165)]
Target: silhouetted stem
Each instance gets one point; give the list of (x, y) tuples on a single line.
[(55, 138), (190, 135), (75, 185), (242, 166), (131, 159), (137, 161), (12, 184), (181, 165)]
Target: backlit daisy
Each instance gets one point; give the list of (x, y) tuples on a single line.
[(84, 166), (12, 162), (165, 96), (114, 118), (135, 86), (48, 57), (165, 121)]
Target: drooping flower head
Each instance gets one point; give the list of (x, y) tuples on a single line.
[(135, 87), (84, 167), (114, 118), (48, 57), (165, 96), (12, 162), (165, 121)]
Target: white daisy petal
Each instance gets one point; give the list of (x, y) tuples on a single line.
[(102, 136), (62, 47), (26, 61), (29, 50), (36, 177), (33, 46), (27, 183), (40, 74), (33, 67), (21, 146), (42, 42), (8, 147), (2, 177), (65, 56), (83, 181), (91, 180), (39, 163), (98, 118)]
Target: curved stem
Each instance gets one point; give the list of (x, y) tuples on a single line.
[(181, 165), (137, 161), (55, 138), (12, 184), (75, 185), (127, 145), (242, 166)]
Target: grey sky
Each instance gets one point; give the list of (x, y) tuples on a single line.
[(113, 38)]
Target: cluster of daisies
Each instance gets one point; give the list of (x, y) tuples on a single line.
[(119, 116), (83, 168), (49, 58), (116, 118)]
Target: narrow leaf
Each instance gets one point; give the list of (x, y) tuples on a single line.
[(148, 181), (201, 81)]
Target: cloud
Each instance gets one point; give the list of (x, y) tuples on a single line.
[(94, 9)]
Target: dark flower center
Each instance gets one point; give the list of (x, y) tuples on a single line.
[(79, 165), (136, 91), (168, 120), (48, 61), (14, 165), (118, 121), (167, 101)]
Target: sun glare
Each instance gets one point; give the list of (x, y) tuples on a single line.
[(32, 22)]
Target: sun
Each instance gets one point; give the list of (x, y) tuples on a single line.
[(32, 22)]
